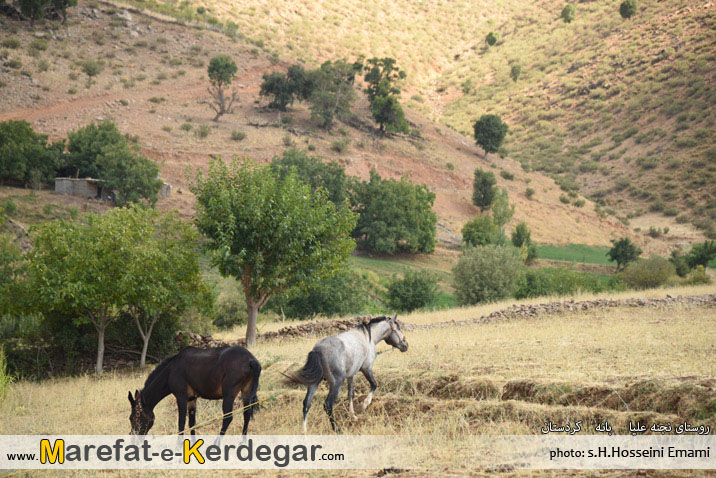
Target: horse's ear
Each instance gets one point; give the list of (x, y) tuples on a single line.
[(131, 400), (395, 317)]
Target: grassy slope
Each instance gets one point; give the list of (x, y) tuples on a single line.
[(598, 99)]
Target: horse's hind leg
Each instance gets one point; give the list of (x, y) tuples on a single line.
[(191, 405), (227, 407), (307, 401), (330, 400), (351, 391), (181, 406)]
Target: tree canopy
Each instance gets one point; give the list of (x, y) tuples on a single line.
[(222, 71), (270, 233), (394, 215), (484, 189), (490, 132), (25, 156), (330, 176), (623, 252)]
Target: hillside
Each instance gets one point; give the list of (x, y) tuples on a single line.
[(153, 84), (619, 110)]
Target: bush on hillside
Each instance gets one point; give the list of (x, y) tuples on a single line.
[(549, 281), (569, 13), (484, 189), (628, 8), (395, 215), (414, 291), (486, 274), (25, 156), (491, 39), (480, 231), (648, 273)]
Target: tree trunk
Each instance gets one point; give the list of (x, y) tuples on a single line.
[(145, 346), (100, 348), (253, 310)]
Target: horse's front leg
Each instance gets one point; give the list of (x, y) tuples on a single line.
[(368, 372), (351, 391), (181, 406), (192, 415)]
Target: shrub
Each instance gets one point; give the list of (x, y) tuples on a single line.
[(491, 39), (229, 311), (415, 291), (507, 175), (203, 131), (480, 231), (25, 155), (678, 260), (628, 8), (394, 215), (237, 135), (698, 277), (86, 144), (529, 192), (340, 146), (9, 207), (569, 13), (339, 295), (515, 72), (486, 274), (564, 199), (701, 254), (549, 281), (579, 203), (10, 42), (91, 67), (648, 273), (185, 127)]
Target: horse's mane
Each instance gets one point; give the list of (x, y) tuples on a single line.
[(375, 320), (160, 368)]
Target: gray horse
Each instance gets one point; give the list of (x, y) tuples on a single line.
[(341, 356)]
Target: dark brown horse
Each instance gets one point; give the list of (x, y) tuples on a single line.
[(214, 374)]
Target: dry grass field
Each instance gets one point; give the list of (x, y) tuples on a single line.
[(620, 364)]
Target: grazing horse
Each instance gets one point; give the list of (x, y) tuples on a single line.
[(214, 374), (341, 356)]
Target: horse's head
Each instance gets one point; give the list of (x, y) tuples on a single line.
[(396, 337), (140, 419)]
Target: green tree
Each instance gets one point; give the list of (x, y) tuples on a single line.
[(522, 239), (381, 77), (486, 274), (502, 210), (87, 144), (389, 115), (33, 9), (628, 8), (61, 6), (623, 252), (483, 189), (277, 88), (569, 13), (331, 91), (26, 155), (491, 39), (490, 132), (701, 254), (132, 176), (76, 269), (330, 176), (678, 260), (269, 233), (416, 290), (394, 215), (222, 71), (480, 231), (162, 278), (12, 269), (301, 82)]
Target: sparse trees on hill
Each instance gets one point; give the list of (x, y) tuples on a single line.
[(569, 13), (330, 91), (483, 189), (268, 232), (489, 132), (623, 252), (628, 8), (222, 70)]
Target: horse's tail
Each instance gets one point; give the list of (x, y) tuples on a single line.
[(252, 401), (311, 373)]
